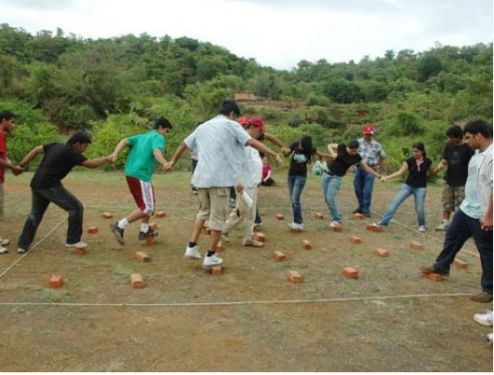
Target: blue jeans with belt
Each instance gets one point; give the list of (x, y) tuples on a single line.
[(295, 187), (405, 191), (331, 184), (363, 184)]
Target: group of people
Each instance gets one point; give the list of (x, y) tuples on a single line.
[(230, 154)]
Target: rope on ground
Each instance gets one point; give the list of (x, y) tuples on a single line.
[(237, 303), (18, 260)]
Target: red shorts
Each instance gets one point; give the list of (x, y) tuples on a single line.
[(143, 194)]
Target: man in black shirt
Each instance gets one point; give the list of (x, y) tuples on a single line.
[(46, 187), (455, 157)]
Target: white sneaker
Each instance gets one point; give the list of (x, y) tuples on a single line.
[(20, 250), (252, 242), (334, 224), (77, 245), (296, 227), (4, 241), (489, 338), (484, 319), (213, 260), (443, 226), (192, 252), (422, 228), (3, 250)]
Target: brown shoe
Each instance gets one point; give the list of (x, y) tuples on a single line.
[(483, 297)]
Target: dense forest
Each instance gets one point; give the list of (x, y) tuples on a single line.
[(116, 87)]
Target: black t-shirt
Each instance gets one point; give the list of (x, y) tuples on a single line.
[(343, 161), (59, 159), (417, 175), (457, 158), (299, 160)]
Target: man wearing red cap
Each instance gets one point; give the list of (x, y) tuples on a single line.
[(373, 155)]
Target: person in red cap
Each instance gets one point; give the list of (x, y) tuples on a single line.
[(373, 155)]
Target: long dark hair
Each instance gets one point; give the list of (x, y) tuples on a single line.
[(420, 146), (307, 149)]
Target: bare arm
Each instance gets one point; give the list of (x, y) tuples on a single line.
[(271, 138), (332, 148), (95, 163), (261, 147), (159, 158), (369, 170), (323, 155), (398, 173), (176, 156), (123, 143), (31, 155), (486, 221), (442, 164)]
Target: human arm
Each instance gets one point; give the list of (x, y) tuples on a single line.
[(442, 164), (160, 158), (369, 170), (7, 164), (176, 156), (486, 221), (271, 138), (31, 155), (95, 163), (268, 175), (123, 143), (398, 173), (261, 147), (323, 155), (332, 148)]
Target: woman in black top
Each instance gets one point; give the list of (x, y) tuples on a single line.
[(343, 157), (417, 166), (301, 154)]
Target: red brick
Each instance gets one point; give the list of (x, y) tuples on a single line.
[(433, 276), (295, 277), (372, 228), (107, 215), (137, 281), (280, 216), (279, 256), (92, 230), (307, 244), (55, 281), (153, 226), (259, 236), (319, 215), (461, 264), (80, 251), (350, 272), (358, 215), (416, 245), (150, 241), (356, 239), (381, 252), (216, 271), (141, 256), (160, 214)]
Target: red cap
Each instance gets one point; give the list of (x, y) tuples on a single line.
[(258, 123), (368, 129), (243, 120)]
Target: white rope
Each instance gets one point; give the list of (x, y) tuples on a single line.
[(31, 249), (236, 303)]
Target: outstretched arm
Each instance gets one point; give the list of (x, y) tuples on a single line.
[(95, 163), (160, 158), (398, 173), (31, 155), (271, 138), (123, 143), (261, 147), (176, 156)]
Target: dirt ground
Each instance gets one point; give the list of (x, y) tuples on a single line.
[(251, 318)]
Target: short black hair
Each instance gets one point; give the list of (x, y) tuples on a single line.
[(79, 137), (6, 115), (163, 122), (228, 106), (454, 131), (478, 126), (353, 144)]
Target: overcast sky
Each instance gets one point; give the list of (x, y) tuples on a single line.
[(278, 33)]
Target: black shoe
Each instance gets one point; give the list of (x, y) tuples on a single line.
[(118, 232), (433, 269), (357, 211), (367, 214), (150, 233)]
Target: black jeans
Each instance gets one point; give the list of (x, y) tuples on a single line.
[(463, 227), (41, 198)]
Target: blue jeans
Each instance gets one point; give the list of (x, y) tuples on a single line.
[(363, 183), (295, 187), (403, 194), (331, 184), (463, 227)]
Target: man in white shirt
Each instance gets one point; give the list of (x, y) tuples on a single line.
[(474, 217), (220, 144)]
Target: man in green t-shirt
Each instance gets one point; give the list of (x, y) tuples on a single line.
[(145, 150)]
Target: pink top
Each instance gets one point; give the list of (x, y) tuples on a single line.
[(265, 170)]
